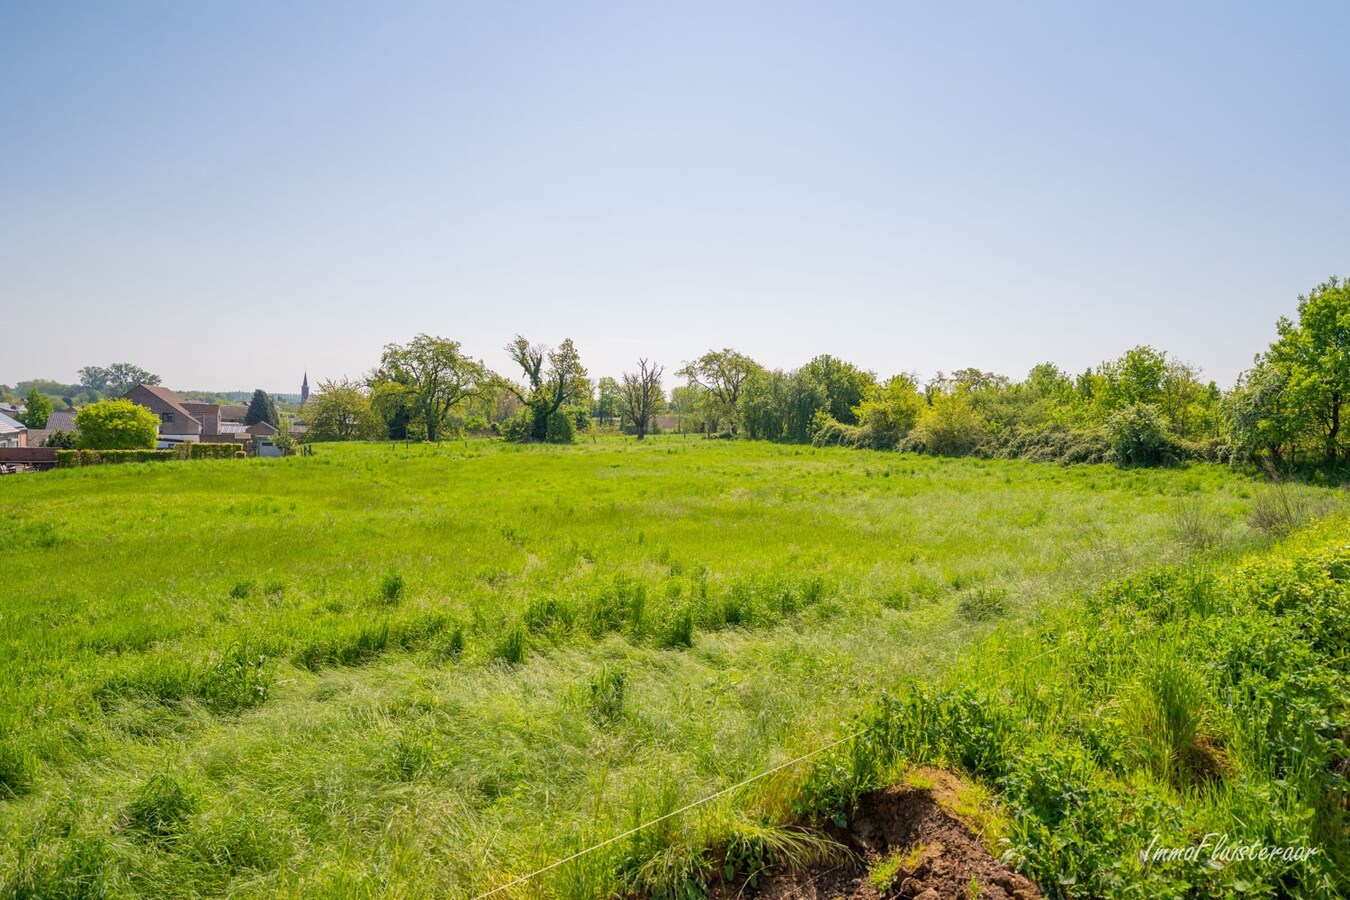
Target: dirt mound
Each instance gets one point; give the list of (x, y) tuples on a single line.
[(904, 843)]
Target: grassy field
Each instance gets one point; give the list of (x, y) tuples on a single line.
[(421, 671)]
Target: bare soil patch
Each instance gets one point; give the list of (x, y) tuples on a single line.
[(911, 836)]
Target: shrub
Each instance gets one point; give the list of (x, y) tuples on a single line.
[(517, 428), (61, 440), (198, 450), (949, 426), (69, 459), (1138, 437), (562, 427), (116, 425)]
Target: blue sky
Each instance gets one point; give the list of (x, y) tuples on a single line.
[(229, 193)]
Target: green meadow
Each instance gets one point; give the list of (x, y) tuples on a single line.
[(425, 670)]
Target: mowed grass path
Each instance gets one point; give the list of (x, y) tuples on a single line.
[(417, 671)]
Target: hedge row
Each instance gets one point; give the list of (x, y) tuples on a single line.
[(69, 459), (213, 451)]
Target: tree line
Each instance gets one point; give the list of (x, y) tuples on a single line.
[(1145, 407)]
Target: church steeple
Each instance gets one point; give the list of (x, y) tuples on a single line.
[(304, 390)]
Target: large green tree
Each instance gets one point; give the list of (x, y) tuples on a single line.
[(1313, 355), (845, 384), (117, 425), (434, 378), (554, 379), (340, 411), (36, 409), (261, 408), (116, 379), (721, 374)]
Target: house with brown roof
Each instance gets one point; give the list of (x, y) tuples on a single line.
[(194, 420), (176, 424), (57, 420)]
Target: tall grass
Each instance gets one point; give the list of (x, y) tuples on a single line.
[(491, 655)]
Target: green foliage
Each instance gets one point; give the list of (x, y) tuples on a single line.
[(555, 382), (116, 425), (719, 376), (61, 440), (1312, 359), (261, 408), (1162, 708), (116, 379), (342, 411), (36, 410), (1138, 437), (207, 450), (421, 385), (950, 425), (69, 459)]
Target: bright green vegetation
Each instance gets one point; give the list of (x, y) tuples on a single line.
[(423, 671), (1190, 701)]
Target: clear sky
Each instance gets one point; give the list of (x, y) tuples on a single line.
[(229, 193)]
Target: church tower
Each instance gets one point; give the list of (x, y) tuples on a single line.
[(304, 390)]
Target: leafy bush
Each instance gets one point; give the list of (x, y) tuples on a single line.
[(116, 425), (1139, 438), (562, 427), (517, 429), (949, 426), (67, 459), (199, 450), (61, 440)]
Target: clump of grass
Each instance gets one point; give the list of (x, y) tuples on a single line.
[(242, 589), (511, 647), (412, 754), (548, 613), (451, 644), (18, 770), (161, 807), (983, 603), (74, 868), (391, 589), (606, 700), (1196, 525), (350, 647), (679, 631), (238, 680), (884, 874)]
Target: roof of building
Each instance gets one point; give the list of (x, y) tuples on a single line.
[(8, 425), (167, 397), (231, 428), (63, 420)]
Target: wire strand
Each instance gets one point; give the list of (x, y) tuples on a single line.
[(726, 790)]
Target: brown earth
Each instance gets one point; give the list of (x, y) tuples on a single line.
[(940, 857)]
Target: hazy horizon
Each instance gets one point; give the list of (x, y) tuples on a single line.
[(233, 194)]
